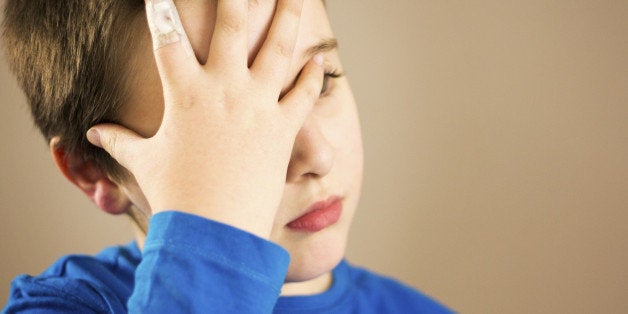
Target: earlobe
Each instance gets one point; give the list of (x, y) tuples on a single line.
[(90, 179)]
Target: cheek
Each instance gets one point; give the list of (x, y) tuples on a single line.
[(143, 110), (343, 125), (342, 131)]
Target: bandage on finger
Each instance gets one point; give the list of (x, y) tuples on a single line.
[(165, 25)]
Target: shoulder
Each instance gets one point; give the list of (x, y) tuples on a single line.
[(385, 294), (89, 283)]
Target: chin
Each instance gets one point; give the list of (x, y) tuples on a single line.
[(315, 258)]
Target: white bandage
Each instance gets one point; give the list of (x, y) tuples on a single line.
[(165, 24)]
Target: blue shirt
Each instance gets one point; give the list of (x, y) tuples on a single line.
[(193, 265)]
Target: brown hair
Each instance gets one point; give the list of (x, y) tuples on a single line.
[(69, 57)]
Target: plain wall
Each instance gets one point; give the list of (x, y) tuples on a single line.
[(496, 151)]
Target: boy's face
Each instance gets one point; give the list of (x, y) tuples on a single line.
[(327, 156)]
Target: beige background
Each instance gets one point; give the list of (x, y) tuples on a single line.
[(496, 145)]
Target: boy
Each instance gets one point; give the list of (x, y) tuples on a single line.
[(229, 134)]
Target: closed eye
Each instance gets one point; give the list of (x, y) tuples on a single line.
[(326, 83)]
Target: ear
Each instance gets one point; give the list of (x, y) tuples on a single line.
[(90, 179)]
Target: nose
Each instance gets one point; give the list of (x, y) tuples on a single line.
[(312, 154)]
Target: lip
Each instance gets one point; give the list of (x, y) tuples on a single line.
[(318, 216)]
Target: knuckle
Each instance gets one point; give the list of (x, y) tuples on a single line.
[(313, 90), (292, 7), (283, 48), (232, 24), (111, 145)]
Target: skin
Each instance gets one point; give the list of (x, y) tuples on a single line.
[(227, 149)]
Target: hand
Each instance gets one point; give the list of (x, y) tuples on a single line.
[(225, 141)]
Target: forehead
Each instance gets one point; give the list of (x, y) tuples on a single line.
[(199, 17), (314, 26)]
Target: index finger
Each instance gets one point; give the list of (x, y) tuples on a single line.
[(172, 48)]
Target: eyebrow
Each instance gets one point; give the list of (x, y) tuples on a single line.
[(325, 45)]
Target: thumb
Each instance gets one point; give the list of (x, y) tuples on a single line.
[(115, 140)]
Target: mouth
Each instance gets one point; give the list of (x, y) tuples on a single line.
[(318, 216)]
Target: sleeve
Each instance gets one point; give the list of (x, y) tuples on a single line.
[(194, 265), (189, 265), (57, 295)]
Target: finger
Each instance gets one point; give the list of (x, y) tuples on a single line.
[(229, 45), (298, 102), (273, 60), (172, 48), (115, 140)]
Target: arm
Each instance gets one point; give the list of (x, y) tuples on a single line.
[(192, 265), (189, 265)]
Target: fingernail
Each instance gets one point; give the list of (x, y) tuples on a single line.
[(318, 59), (94, 137)]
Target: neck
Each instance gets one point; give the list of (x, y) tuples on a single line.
[(317, 285)]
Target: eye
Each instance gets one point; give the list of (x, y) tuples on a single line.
[(329, 75)]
